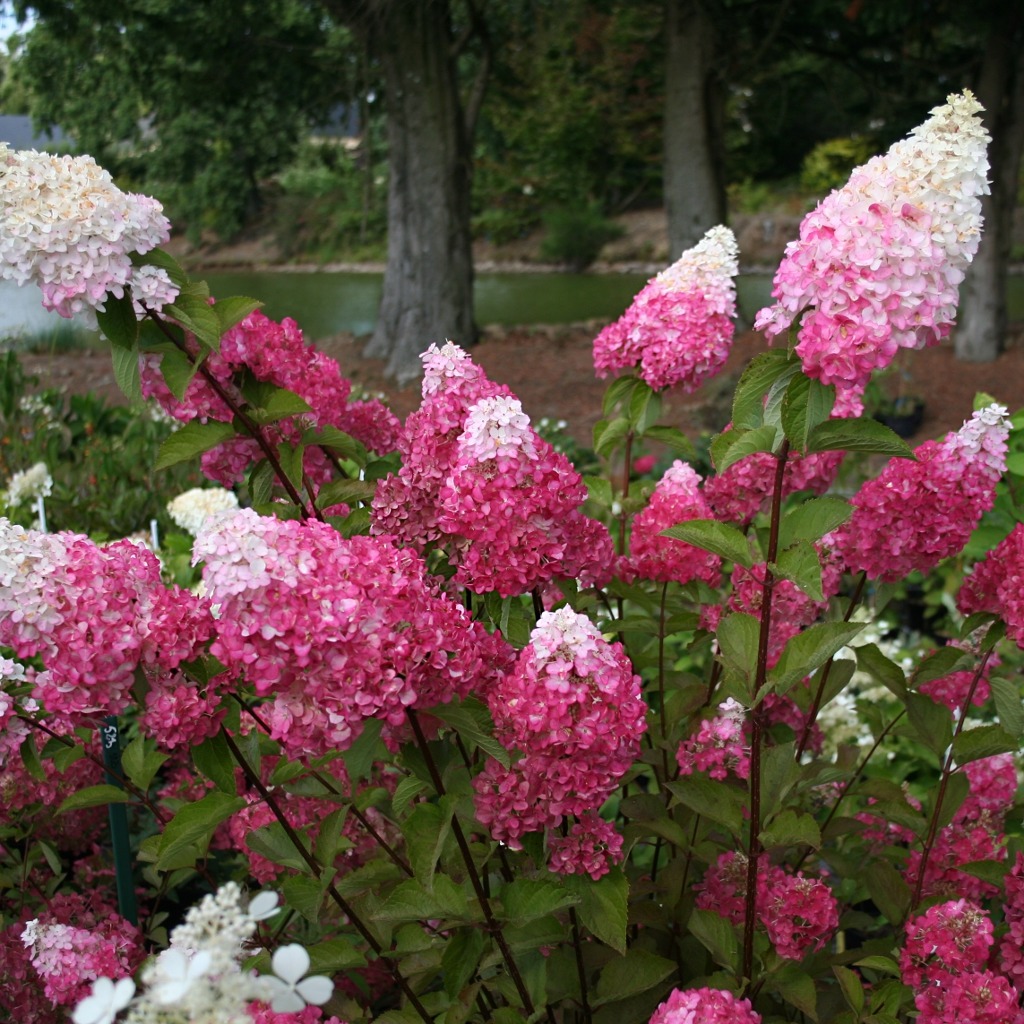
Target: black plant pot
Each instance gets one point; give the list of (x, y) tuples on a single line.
[(905, 417)]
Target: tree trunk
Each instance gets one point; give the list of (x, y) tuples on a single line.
[(428, 282), (981, 332), (694, 194)]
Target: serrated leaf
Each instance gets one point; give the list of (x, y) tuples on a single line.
[(273, 842), (931, 722), (118, 323), (347, 492), (126, 372), (983, 741), (471, 719), (710, 799), (796, 987), (337, 441), (141, 761), (164, 260), (791, 829), (758, 376), (602, 906), (1007, 697), (190, 440), (278, 405), (939, 664), (290, 458), (812, 519), (260, 482), (93, 796), (638, 971), (800, 564), (460, 958), (177, 370), (738, 636), (608, 433), (364, 750), (808, 650), (748, 442), (871, 660), (887, 888), (710, 535), (644, 408), (412, 901), (233, 310), (194, 824), (858, 435), (619, 390), (671, 437), (213, 759), (304, 895), (850, 983), (717, 936), (196, 315), (528, 899), (807, 403), (30, 758), (426, 831)]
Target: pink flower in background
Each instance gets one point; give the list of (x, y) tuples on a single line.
[(679, 328), (996, 585), (949, 938), (719, 746), (975, 997), (705, 1006), (278, 354), (799, 914), (592, 847), (676, 499), (915, 514), (67, 228), (877, 264)]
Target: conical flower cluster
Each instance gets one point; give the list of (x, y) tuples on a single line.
[(877, 264)]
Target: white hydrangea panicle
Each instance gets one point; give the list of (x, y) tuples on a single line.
[(982, 439), (67, 228), (27, 485), (709, 268), (199, 977), (446, 366), (192, 508), (496, 428)]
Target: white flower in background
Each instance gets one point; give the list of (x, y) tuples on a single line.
[(175, 974), (105, 1001), (191, 509), (67, 228), (27, 485), (200, 977), (291, 992)]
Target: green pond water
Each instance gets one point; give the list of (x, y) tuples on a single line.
[(324, 303)]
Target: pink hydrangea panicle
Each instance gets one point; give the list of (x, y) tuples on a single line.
[(996, 585), (335, 630), (914, 514), (592, 847), (719, 745), (679, 329), (723, 888), (511, 507), (676, 499), (950, 938), (974, 997), (799, 914), (1011, 945), (278, 354), (573, 707), (67, 228), (705, 1006), (877, 265)]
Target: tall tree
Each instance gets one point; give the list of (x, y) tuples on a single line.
[(694, 117), (428, 281), (981, 332)]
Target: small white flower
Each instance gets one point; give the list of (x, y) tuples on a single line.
[(105, 1001), (177, 974), (289, 994), (263, 905)]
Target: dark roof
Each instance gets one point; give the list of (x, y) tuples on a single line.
[(17, 131)]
